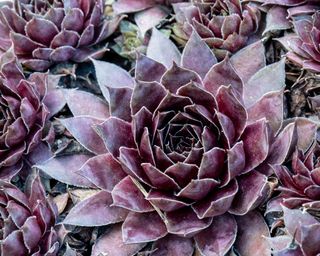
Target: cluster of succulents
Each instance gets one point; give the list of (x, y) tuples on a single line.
[(300, 186), (27, 220), (46, 32), (159, 128), (303, 47), (226, 26), (300, 234), (25, 128)]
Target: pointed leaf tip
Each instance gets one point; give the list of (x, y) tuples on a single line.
[(162, 49)]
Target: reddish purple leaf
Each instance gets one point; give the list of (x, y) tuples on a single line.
[(219, 237), (184, 222), (143, 227), (111, 75), (172, 245), (162, 50), (95, 210), (273, 76), (270, 106), (65, 169), (75, 98), (256, 144), (254, 58), (115, 133), (128, 6), (149, 18), (252, 235), (82, 129), (222, 73), (197, 56), (253, 190), (103, 171), (127, 195), (111, 243)]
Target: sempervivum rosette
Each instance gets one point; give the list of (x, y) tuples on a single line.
[(27, 220), (280, 14), (299, 235), (293, 7), (300, 184), (24, 126), (226, 25), (177, 156), (303, 47), (47, 32)]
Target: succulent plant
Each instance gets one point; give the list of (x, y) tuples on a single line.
[(300, 235), (27, 220), (303, 46), (177, 149), (300, 184), (47, 32), (147, 13), (130, 41), (281, 14), (293, 7), (226, 25), (183, 148), (24, 128)]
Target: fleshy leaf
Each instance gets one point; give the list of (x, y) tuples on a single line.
[(252, 235), (111, 243), (95, 210), (172, 245), (143, 227), (54, 100), (148, 70), (294, 219), (75, 98), (111, 75), (184, 222), (281, 146), (115, 133), (128, 6), (253, 190), (270, 106), (103, 171), (127, 195), (65, 169), (197, 56), (230, 106), (256, 144), (149, 18), (277, 19), (270, 78), (217, 202), (249, 60), (219, 237), (82, 129), (222, 73), (306, 132), (161, 49), (119, 103), (176, 77), (310, 237)]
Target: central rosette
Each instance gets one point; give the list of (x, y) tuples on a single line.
[(183, 146), (172, 139), (179, 133)]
